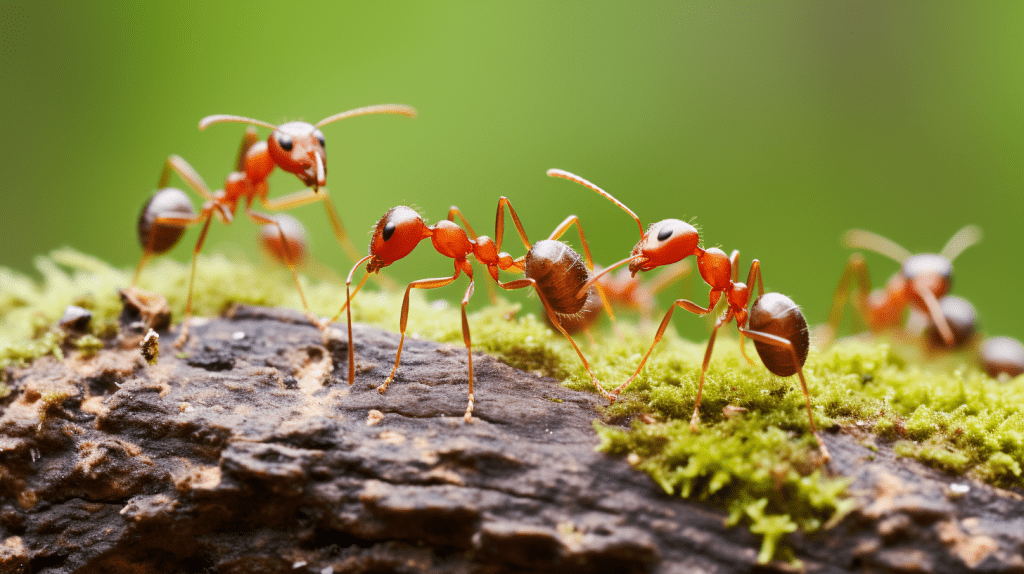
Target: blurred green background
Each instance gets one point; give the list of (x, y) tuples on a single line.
[(774, 126)]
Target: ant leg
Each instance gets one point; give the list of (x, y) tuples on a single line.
[(348, 300), (689, 306), (142, 263), (661, 282), (786, 344), (453, 212), (289, 260), (178, 165), (499, 224), (695, 419), (307, 196), (354, 293), (529, 282), (935, 312), (754, 275), (469, 348), (183, 336), (856, 270), (420, 284)]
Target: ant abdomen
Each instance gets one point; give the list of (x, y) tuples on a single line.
[(582, 319), (560, 273), (962, 320), (778, 315), (1002, 355), (158, 238), (291, 251)]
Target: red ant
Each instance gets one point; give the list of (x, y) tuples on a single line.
[(998, 356), (296, 147), (774, 322), (922, 280), (553, 269)]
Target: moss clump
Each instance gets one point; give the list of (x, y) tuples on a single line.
[(89, 345), (756, 471)]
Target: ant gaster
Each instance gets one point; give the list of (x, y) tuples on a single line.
[(774, 322), (624, 290), (923, 279), (297, 147), (551, 268)]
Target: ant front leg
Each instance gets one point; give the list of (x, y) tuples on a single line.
[(856, 271), (777, 341), (420, 284), (685, 304)]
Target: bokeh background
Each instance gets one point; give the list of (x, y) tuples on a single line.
[(774, 126)]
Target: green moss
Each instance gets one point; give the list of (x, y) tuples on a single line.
[(89, 345), (944, 413)]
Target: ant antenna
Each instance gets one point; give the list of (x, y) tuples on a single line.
[(573, 177), (858, 238), (378, 109), (225, 118), (590, 283), (961, 240)]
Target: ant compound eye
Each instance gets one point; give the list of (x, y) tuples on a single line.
[(389, 230), (320, 138), (664, 234), (285, 142)]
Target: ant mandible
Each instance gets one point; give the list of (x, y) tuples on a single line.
[(923, 279), (297, 147), (553, 269), (774, 322)]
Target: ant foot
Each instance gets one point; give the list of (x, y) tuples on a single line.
[(469, 411), (695, 422), (384, 386), (825, 456), (183, 337), (318, 322)]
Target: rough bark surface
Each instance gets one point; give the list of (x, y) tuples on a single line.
[(253, 455)]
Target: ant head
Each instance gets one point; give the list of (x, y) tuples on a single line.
[(285, 241), (664, 243), (929, 271), (396, 235), (715, 268), (298, 148)]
